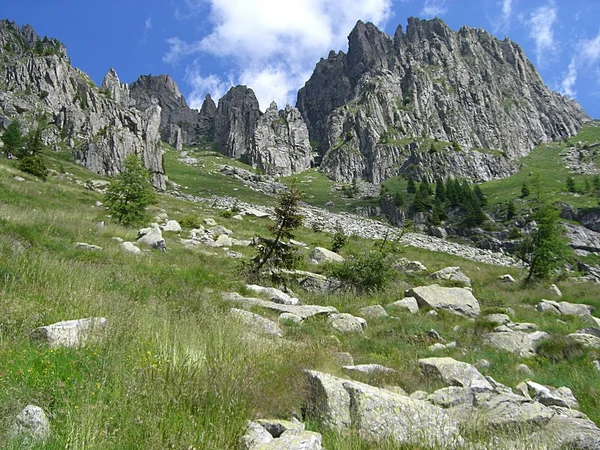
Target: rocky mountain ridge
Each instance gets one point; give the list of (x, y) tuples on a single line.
[(369, 107), (38, 85)]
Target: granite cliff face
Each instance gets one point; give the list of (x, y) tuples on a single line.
[(376, 110), (281, 146), (39, 85), (179, 124)]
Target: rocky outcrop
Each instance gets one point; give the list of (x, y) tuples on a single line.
[(281, 145), (235, 121), (393, 105), (458, 301), (71, 333), (37, 80), (179, 124)]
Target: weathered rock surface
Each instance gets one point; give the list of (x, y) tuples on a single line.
[(39, 79), (455, 373), (303, 311), (457, 301), (257, 324), (567, 432), (407, 266), (320, 255), (275, 295), (374, 311), (586, 340), (551, 396), (281, 145), (151, 237), (378, 414), (368, 368), (408, 303), (451, 274), (71, 333), (564, 308), (369, 107), (279, 435), (518, 342), (31, 425), (129, 247), (346, 323)]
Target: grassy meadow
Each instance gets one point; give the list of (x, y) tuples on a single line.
[(176, 371)]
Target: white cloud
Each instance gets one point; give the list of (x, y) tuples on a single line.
[(568, 83), (587, 55), (434, 8), (148, 24), (503, 22), (252, 34), (541, 22)]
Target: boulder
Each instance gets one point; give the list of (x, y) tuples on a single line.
[(498, 319), (507, 279), (374, 311), (513, 411), (302, 311), (255, 212), (315, 282), (219, 230), (554, 290), (279, 435), (405, 265), (518, 342), (407, 303), (457, 301), (586, 340), (346, 323), (551, 396), (320, 255), (454, 373), (452, 396), (343, 358), (130, 247), (289, 317), (224, 241), (31, 425), (564, 432), (71, 333), (210, 222), (151, 237), (256, 323), (451, 274), (88, 247), (564, 308), (172, 225), (368, 368), (275, 295)]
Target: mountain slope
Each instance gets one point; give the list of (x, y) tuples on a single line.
[(373, 108), (38, 85)]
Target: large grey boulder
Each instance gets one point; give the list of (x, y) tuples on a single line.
[(566, 432), (407, 303), (518, 342), (455, 373), (275, 295), (320, 255), (172, 225), (256, 324), (513, 411), (451, 274), (346, 323), (151, 237), (586, 340), (452, 396), (31, 425), (71, 333), (130, 247), (405, 265), (302, 311), (373, 311), (551, 396), (279, 435), (564, 308), (378, 414), (457, 301)]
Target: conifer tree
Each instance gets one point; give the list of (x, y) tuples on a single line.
[(411, 188), (418, 204), (479, 195), (13, 139), (440, 190), (525, 190), (510, 210)]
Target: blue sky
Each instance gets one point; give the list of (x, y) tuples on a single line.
[(273, 45)]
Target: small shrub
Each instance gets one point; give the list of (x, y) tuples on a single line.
[(316, 227), (34, 165), (190, 221), (560, 348), (515, 233), (227, 214), (339, 240), (366, 272)]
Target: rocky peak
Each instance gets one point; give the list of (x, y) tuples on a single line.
[(373, 109), (178, 122), (118, 91), (235, 121), (19, 41), (281, 146)]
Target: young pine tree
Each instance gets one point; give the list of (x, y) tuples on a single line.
[(411, 188), (130, 193), (13, 139), (511, 210), (546, 249), (480, 196), (440, 191), (418, 204), (571, 184), (525, 190), (272, 253)]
